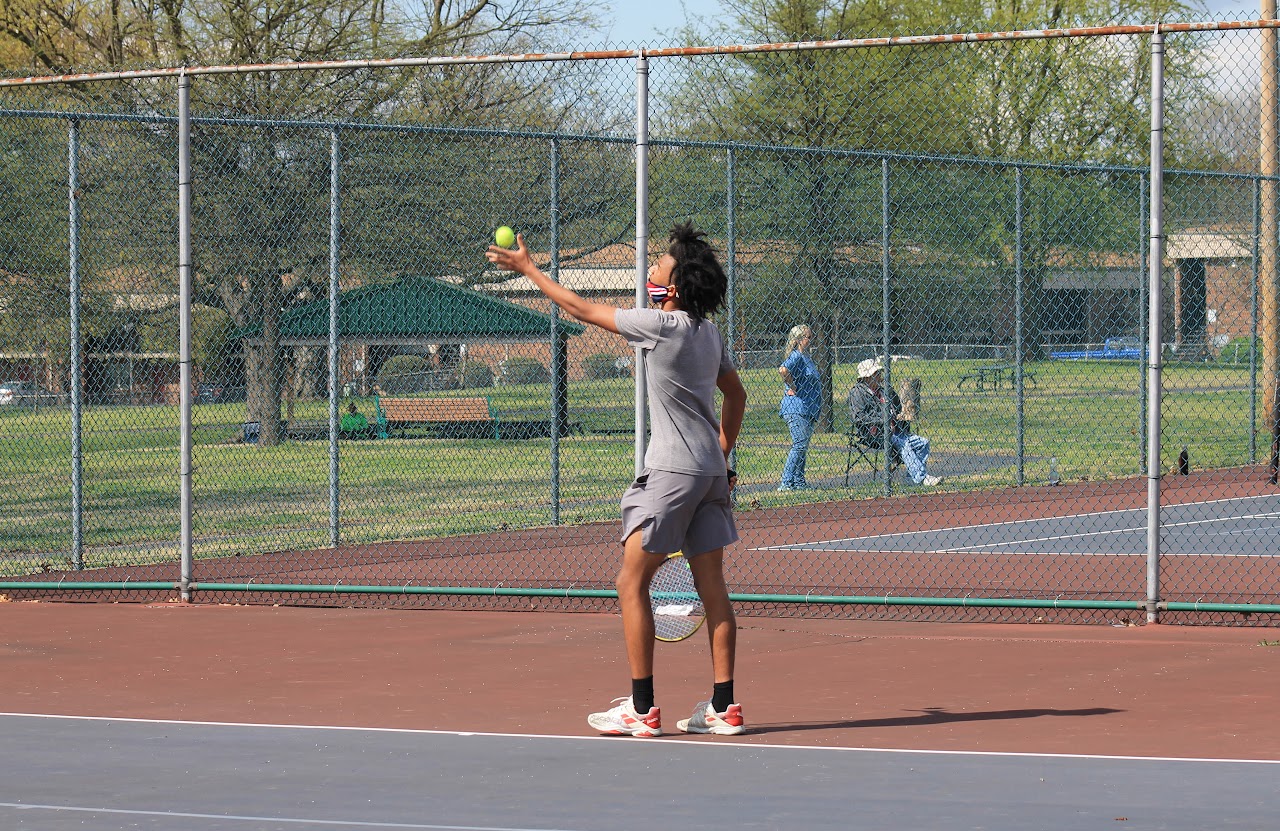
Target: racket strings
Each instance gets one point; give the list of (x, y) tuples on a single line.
[(677, 609)]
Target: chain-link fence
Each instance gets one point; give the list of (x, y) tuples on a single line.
[(255, 351)]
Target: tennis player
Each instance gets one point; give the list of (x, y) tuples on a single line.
[(680, 502)]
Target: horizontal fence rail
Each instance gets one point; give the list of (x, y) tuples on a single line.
[(669, 52)]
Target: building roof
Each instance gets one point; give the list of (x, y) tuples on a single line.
[(1208, 245), (1060, 279), (581, 280), (415, 310)]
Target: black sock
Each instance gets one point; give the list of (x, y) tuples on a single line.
[(721, 696), (642, 694)]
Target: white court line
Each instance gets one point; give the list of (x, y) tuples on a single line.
[(1019, 552), (1243, 531), (1048, 519), (652, 743), (338, 823), (1136, 528), (1013, 523), (1007, 524)]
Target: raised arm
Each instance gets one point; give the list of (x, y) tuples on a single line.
[(519, 261)]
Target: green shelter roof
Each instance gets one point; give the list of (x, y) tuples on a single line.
[(416, 309)]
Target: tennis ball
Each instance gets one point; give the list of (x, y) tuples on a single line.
[(505, 237)]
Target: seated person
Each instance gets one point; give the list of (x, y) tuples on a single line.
[(869, 400), (354, 424)]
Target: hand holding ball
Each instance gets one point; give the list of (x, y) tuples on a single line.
[(506, 254)]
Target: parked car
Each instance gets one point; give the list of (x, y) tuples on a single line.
[(9, 390), (218, 393), (24, 393)]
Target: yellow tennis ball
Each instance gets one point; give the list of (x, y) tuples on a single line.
[(505, 237)]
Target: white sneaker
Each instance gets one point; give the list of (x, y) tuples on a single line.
[(932, 481), (707, 720), (623, 720)]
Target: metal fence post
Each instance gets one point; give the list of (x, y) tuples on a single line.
[(1019, 212), (559, 369), (1253, 323), (73, 234), (184, 325), (885, 330), (335, 215), (731, 295), (1156, 357), (642, 241)]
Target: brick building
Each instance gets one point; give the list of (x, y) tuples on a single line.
[(1210, 276)]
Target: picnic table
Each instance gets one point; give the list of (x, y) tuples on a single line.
[(993, 377)]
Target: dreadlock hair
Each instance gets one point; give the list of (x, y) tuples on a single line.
[(697, 275)]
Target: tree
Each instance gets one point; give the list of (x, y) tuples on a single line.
[(1063, 101), (823, 202), (260, 208), (59, 35), (1071, 101), (33, 237)]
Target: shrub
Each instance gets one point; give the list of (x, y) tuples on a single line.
[(524, 371), (215, 351), (477, 374), (1237, 351), (605, 365), (405, 373)]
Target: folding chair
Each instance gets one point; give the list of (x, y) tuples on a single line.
[(869, 450)]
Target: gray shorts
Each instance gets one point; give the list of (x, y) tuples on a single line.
[(679, 512)]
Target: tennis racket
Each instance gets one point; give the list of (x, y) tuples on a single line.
[(677, 609)]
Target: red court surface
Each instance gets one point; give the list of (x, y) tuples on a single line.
[(781, 552), (1153, 691)]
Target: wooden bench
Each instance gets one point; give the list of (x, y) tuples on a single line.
[(449, 417)]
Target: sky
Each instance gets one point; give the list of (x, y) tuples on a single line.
[(641, 22), (637, 20)]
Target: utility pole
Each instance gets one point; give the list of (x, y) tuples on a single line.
[(1268, 274)]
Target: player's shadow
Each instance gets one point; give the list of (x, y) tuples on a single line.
[(931, 715)]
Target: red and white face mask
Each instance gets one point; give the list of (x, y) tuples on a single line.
[(658, 294)]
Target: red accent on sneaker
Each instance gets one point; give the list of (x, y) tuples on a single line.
[(623, 720), (651, 720)]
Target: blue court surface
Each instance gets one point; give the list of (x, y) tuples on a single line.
[(1244, 527), (106, 774)]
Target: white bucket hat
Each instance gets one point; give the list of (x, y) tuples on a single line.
[(869, 367)]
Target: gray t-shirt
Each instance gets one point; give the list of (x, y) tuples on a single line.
[(683, 360)]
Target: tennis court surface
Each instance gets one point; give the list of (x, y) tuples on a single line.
[(1078, 541), (1215, 528), (235, 717)]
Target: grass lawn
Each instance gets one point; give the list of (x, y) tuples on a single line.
[(1089, 416)]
